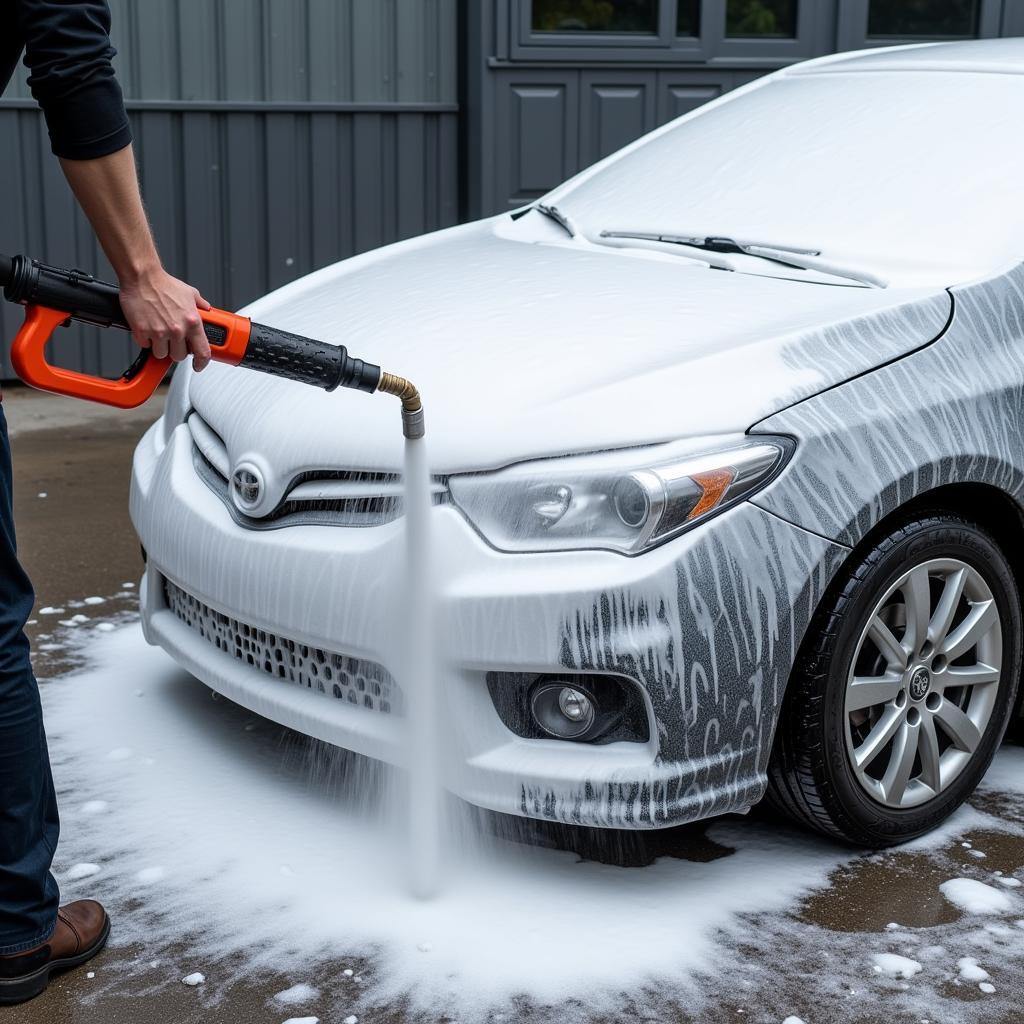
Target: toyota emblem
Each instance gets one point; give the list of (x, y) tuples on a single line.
[(247, 487)]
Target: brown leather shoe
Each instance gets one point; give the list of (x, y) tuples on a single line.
[(81, 932)]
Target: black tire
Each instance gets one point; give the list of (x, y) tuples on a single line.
[(811, 778)]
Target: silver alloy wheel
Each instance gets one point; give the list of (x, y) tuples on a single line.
[(923, 682)]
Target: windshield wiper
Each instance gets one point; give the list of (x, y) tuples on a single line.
[(563, 220), (710, 243), (787, 256)]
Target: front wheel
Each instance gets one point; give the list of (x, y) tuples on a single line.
[(904, 686)]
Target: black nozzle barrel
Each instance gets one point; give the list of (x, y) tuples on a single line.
[(307, 361)]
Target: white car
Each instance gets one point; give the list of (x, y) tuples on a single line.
[(727, 443)]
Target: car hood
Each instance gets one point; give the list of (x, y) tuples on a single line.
[(526, 343)]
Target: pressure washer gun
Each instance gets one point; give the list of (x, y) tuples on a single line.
[(52, 297)]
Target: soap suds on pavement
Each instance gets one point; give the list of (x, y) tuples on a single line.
[(896, 966), (976, 897), (194, 818), (297, 994)]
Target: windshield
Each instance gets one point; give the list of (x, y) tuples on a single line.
[(915, 175)]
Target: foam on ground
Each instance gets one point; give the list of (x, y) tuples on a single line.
[(976, 897), (221, 830)]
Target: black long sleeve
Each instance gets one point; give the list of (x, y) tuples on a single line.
[(68, 54)]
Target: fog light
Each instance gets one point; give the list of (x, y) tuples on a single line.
[(562, 711), (574, 705)]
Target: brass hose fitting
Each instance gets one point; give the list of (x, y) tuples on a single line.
[(412, 405)]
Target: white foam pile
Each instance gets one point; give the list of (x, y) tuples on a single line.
[(970, 971), (303, 993), (80, 871), (976, 897), (895, 966), (215, 838), (1006, 775)]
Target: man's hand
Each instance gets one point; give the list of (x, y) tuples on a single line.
[(163, 313)]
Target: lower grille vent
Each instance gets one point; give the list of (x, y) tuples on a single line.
[(353, 680)]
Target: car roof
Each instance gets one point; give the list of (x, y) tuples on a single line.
[(992, 56)]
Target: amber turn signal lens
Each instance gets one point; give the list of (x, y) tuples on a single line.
[(714, 484)]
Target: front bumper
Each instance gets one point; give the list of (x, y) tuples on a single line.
[(708, 625)]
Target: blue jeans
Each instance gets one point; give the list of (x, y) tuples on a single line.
[(28, 804)]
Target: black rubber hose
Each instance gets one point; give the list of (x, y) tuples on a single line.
[(6, 267)]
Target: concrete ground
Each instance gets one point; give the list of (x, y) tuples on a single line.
[(71, 469), (71, 480)]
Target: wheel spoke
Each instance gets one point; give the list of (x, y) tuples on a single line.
[(960, 729), (970, 675), (901, 763), (867, 691), (947, 606), (928, 749), (918, 600), (888, 646), (882, 731), (980, 619)]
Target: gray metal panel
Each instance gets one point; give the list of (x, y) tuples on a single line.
[(273, 137), (538, 144), (549, 123), (1013, 18), (339, 51), (679, 93), (241, 202), (241, 68), (616, 108)]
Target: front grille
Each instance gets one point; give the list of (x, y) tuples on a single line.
[(328, 497), (353, 680)]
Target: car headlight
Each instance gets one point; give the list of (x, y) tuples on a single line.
[(627, 501)]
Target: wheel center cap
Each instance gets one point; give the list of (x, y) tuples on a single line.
[(920, 683)]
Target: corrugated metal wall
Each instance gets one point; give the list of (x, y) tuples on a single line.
[(273, 137)]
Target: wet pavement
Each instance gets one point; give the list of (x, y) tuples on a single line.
[(72, 462), (71, 481)]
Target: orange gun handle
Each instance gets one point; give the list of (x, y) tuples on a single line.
[(228, 334)]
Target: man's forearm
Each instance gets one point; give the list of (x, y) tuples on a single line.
[(107, 189), (162, 311), (68, 51)]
